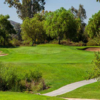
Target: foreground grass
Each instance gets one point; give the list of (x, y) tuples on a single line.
[(56, 75), (91, 91), (24, 96)]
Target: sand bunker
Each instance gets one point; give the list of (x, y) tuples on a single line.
[(2, 54), (93, 49)]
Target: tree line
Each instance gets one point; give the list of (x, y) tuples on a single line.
[(40, 25)]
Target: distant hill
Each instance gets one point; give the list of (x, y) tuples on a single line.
[(13, 23)]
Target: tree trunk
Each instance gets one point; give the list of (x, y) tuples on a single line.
[(32, 42), (59, 40), (35, 40), (4, 42)]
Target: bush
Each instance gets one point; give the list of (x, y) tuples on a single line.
[(94, 42), (26, 43), (96, 69), (12, 79), (54, 41), (91, 42), (71, 43), (96, 63), (15, 42)]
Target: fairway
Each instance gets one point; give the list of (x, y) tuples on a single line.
[(59, 65), (48, 53)]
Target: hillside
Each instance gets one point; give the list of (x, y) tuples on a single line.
[(13, 23)]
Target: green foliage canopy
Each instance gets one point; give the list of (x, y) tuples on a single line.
[(32, 29), (98, 0), (6, 29), (26, 8), (61, 22), (93, 27)]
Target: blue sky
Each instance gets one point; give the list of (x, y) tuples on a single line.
[(91, 7)]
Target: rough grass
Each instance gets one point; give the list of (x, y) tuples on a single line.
[(24, 96), (56, 75), (91, 91)]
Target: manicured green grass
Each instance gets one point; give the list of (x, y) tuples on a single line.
[(60, 65), (91, 91), (24, 96), (47, 54)]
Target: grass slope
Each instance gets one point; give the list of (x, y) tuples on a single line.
[(56, 75), (24, 96), (91, 91)]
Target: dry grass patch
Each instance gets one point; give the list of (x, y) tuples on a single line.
[(2, 54)]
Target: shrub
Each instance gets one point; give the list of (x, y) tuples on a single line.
[(12, 79), (94, 42), (15, 42), (91, 42), (96, 63), (26, 43), (80, 43), (96, 69), (71, 43), (54, 41)]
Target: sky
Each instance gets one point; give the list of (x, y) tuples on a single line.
[(91, 7)]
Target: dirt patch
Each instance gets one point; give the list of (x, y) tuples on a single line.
[(2, 54), (92, 49)]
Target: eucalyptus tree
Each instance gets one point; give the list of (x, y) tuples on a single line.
[(79, 13), (26, 8), (60, 22)]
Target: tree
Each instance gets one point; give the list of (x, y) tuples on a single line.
[(98, 0), (6, 29), (60, 22), (32, 29), (17, 28), (26, 8), (80, 13), (93, 27)]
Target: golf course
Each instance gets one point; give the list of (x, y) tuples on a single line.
[(60, 65), (50, 50)]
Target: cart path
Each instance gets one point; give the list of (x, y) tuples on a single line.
[(70, 87)]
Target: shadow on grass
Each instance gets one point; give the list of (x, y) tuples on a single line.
[(9, 46)]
